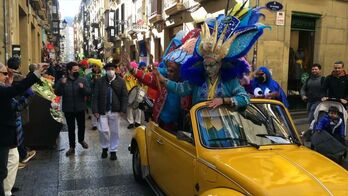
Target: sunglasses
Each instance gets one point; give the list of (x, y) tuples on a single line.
[(4, 73)]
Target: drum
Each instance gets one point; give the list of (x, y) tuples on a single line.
[(135, 96)]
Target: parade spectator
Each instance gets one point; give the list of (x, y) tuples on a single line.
[(24, 153), (336, 84), (313, 90), (51, 71), (133, 114), (263, 86), (333, 124), (109, 104), (74, 89), (8, 133), (14, 63), (91, 78)]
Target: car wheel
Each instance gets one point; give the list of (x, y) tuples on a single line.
[(136, 164)]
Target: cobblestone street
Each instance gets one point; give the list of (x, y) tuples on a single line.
[(52, 173)]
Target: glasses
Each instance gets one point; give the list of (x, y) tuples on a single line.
[(4, 73)]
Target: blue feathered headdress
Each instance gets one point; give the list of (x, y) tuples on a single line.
[(227, 39)]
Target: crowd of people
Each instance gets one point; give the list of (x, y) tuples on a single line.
[(318, 88), (195, 68)]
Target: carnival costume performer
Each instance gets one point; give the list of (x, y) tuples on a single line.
[(213, 71), (166, 110), (92, 77), (133, 115), (263, 86)]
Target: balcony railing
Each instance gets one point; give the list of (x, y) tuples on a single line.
[(156, 11)]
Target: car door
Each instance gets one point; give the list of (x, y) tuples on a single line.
[(155, 154), (172, 163)]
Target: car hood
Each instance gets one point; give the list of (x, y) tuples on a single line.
[(290, 170)]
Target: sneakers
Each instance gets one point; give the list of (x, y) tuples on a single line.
[(104, 153), (71, 151), (113, 156), (130, 126), (84, 144), (21, 165), (30, 155), (136, 124), (94, 128)]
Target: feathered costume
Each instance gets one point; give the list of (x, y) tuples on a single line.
[(231, 38), (225, 39)]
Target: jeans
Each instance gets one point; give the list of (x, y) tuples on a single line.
[(70, 121), (311, 108), (3, 167)]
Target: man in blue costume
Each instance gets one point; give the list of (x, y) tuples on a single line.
[(213, 71), (263, 86)]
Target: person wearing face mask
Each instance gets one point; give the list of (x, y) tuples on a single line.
[(109, 104), (91, 78), (263, 86), (73, 90)]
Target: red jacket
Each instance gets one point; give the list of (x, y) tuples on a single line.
[(149, 79)]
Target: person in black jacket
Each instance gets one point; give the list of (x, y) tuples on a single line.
[(74, 89), (8, 133), (336, 84), (109, 103)]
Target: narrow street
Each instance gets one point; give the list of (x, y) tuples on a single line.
[(51, 173)]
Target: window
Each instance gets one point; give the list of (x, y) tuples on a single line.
[(259, 124)]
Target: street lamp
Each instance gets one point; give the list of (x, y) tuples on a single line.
[(64, 23)]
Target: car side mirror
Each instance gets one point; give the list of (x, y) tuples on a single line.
[(185, 136)]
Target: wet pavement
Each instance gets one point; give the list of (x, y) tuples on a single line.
[(85, 173)]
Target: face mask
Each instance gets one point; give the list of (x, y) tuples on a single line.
[(75, 74), (260, 79), (110, 73)]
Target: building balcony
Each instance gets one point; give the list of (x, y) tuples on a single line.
[(42, 14), (156, 11), (173, 6), (37, 4), (155, 18)]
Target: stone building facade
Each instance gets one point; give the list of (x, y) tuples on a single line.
[(311, 31), (26, 27)]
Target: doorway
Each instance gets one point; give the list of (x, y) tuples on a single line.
[(301, 54)]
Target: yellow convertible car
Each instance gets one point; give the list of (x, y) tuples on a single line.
[(222, 151)]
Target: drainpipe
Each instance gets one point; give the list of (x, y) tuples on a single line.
[(4, 10), (254, 61)]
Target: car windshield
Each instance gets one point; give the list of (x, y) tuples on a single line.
[(260, 124)]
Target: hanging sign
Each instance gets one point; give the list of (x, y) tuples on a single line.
[(274, 6)]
